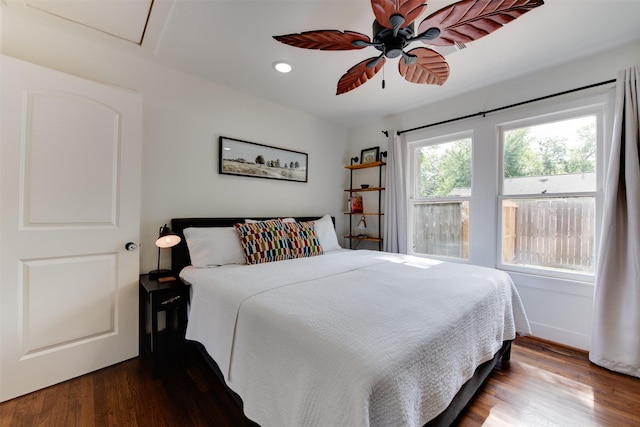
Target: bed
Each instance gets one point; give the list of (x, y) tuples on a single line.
[(345, 338)]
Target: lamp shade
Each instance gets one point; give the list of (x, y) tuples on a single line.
[(167, 238)]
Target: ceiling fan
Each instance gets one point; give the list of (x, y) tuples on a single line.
[(394, 29)]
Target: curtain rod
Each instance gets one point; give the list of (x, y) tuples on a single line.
[(483, 113)]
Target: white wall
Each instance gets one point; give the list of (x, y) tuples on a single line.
[(183, 118), (180, 155), (559, 310)]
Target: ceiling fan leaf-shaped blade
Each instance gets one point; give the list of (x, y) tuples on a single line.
[(325, 40), (359, 74), (430, 68), (469, 20), (385, 9)]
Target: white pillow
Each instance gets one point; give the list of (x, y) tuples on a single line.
[(326, 233), (214, 246)]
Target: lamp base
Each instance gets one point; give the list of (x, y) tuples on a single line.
[(157, 274)]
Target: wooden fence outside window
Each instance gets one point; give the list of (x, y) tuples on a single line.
[(555, 233), (552, 233)]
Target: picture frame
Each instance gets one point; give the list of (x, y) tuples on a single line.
[(251, 159), (355, 204), (369, 155)]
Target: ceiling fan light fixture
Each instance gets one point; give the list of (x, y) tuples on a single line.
[(454, 26), (282, 67)]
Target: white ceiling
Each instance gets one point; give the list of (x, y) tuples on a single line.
[(230, 42), (124, 19)]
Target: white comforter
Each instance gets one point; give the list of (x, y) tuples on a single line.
[(351, 338)]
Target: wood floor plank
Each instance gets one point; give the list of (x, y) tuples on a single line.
[(54, 408), (81, 403), (544, 384)]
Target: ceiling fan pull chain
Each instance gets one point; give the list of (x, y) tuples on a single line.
[(383, 76)]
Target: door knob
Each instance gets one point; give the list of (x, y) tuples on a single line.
[(131, 246)]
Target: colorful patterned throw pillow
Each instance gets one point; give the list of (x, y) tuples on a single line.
[(264, 241), (303, 240)]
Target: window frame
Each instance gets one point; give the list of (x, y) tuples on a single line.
[(413, 200), (596, 107)]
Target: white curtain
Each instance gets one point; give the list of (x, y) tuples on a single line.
[(395, 199), (615, 337)]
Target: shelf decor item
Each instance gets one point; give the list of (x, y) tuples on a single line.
[(362, 226), (356, 204), (369, 155)]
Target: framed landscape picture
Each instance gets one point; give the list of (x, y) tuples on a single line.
[(261, 161)]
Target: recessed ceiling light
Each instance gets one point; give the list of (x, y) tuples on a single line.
[(282, 66)]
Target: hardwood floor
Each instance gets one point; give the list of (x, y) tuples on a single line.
[(545, 384)]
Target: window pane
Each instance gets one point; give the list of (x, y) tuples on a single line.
[(444, 170), (552, 233), (441, 229), (558, 157)]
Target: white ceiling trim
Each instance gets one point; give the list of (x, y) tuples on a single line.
[(125, 19)]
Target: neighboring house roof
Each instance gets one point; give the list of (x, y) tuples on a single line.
[(569, 183)]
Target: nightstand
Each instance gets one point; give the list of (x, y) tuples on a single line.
[(163, 321)]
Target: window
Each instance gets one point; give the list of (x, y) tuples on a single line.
[(548, 194), (439, 206)]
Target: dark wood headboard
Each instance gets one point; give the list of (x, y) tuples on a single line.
[(180, 253)]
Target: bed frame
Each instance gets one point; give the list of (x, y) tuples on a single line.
[(180, 259)]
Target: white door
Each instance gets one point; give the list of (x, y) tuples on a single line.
[(70, 187)]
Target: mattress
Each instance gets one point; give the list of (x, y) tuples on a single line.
[(351, 338)]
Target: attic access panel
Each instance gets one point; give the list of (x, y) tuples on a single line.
[(123, 19)]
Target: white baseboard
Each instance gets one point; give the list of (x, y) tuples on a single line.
[(562, 336)]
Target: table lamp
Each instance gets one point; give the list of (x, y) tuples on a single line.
[(166, 239)]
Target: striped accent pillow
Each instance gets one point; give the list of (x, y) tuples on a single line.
[(264, 241), (303, 240)]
